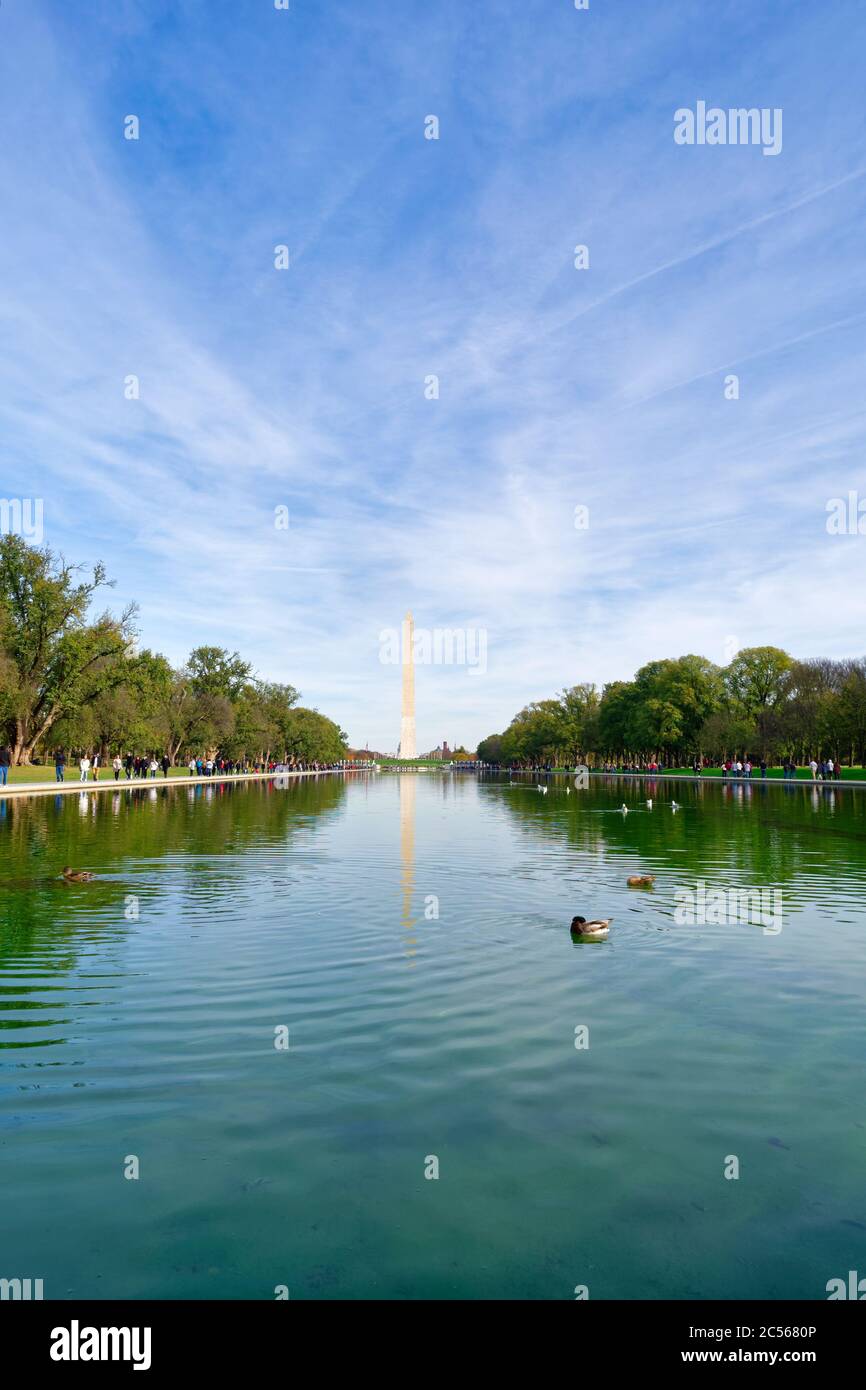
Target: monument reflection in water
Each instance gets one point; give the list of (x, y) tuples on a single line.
[(408, 785)]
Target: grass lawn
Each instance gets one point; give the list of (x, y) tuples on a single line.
[(45, 773), (854, 774)]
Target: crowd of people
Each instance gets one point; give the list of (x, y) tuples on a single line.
[(134, 767), (822, 770)]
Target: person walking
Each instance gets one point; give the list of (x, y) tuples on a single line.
[(128, 763), (813, 768), (166, 764), (95, 766), (763, 767), (84, 766), (59, 765), (191, 765), (5, 764), (118, 766), (154, 767)]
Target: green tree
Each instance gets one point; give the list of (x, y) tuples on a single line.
[(673, 698), (311, 737), (490, 749), (215, 671), (756, 679), (536, 733), (56, 659), (579, 706)]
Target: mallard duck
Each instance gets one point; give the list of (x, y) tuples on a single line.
[(641, 880), (77, 875), (590, 931)]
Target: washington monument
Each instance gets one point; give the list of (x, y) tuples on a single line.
[(407, 722)]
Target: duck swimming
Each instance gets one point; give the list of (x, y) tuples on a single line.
[(76, 875), (596, 930), (641, 880)]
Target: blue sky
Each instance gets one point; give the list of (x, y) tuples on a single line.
[(410, 257)]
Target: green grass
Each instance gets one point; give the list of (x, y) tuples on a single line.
[(852, 774), (803, 774), (45, 773)]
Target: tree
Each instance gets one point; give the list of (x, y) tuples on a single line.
[(615, 717), (756, 678), (579, 719), (261, 718), (311, 737), (215, 671), (55, 660), (490, 749), (849, 712), (535, 733)]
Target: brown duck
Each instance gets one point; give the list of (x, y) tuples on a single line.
[(596, 930), (77, 875)]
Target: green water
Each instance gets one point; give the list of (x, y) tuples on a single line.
[(138, 1017)]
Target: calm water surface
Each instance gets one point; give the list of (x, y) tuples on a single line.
[(138, 1017)]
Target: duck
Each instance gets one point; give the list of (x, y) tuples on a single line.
[(596, 930), (674, 806), (76, 875), (624, 809), (641, 880), (649, 804)]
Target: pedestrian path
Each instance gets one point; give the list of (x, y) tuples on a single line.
[(106, 784)]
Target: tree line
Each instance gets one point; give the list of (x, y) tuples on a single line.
[(72, 679), (764, 703)]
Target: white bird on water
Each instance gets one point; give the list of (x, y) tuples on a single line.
[(568, 791), (624, 809), (674, 806), (650, 803), (541, 788)]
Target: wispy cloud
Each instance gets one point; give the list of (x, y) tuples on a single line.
[(557, 387)]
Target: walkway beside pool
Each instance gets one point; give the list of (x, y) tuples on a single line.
[(106, 784), (717, 781)]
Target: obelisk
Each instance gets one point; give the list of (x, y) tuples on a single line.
[(407, 722)]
